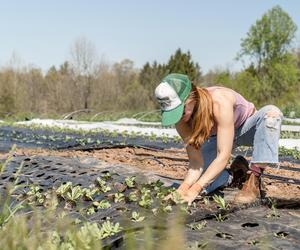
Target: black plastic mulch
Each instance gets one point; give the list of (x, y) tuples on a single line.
[(243, 229), (39, 138)]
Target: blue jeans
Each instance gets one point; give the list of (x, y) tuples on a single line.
[(261, 130)]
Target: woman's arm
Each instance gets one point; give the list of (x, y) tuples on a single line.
[(194, 155), (225, 135), (223, 113)]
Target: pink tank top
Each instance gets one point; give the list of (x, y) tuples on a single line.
[(242, 108)]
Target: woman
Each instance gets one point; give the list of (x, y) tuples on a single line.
[(211, 121)]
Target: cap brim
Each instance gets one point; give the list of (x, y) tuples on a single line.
[(173, 116)]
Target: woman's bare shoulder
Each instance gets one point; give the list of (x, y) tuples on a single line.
[(223, 95)]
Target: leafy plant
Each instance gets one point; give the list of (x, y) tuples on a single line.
[(89, 193), (130, 181), (133, 196), (295, 153), (102, 184), (274, 213), (104, 204), (220, 202), (135, 216), (90, 211), (146, 199), (106, 176), (220, 217), (198, 226), (206, 201), (108, 229), (63, 189), (34, 194), (118, 197), (176, 198), (74, 194)]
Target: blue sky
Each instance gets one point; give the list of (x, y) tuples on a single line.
[(42, 32)]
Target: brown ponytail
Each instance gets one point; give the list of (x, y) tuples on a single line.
[(202, 118)]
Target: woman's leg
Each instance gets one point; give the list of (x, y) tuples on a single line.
[(209, 153), (262, 130)]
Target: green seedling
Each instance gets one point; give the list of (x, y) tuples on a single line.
[(130, 181), (176, 198), (90, 211), (104, 204), (146, 199), (197, 226), (63, 189), (135, 216), (89, 193), (88, 230), (177, 139), (74, 194), (274, 213), (89, 140), (184, 207), (295, 153), (167, 208), (152, 136), (157, 184), (220, 217), (109, 229), (35, 195), (106, 176), (114, 134), (133, 196), (118, 197), (206, 201), (102, 184), (220, 202)]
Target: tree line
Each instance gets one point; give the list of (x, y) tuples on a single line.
[(271, 76)]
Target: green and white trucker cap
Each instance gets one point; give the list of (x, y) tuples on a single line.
[(171, 93)]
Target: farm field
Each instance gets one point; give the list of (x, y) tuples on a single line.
[(113, 183)]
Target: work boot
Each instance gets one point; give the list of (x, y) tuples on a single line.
[(250, 191), (238, 170)]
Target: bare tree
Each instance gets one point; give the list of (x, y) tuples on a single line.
[(84, 64)]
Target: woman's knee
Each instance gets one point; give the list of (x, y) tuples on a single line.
[(272, 117), (271, 111)]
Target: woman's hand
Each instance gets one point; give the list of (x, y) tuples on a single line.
[(182, 190), (192, 193)]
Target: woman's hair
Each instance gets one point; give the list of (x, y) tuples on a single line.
[(202, 117)]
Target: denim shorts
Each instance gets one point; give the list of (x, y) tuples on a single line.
[(261, 130)]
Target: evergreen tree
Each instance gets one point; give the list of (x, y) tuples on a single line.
[(182, 63)]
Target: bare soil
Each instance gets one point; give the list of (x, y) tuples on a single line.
[(173, 164)]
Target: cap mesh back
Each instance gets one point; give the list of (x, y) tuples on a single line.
[(180, 83)]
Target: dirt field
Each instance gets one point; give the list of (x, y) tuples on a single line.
[(172, 163)]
